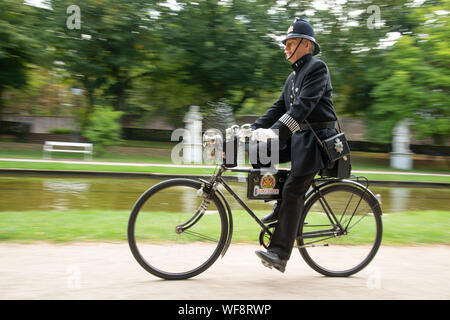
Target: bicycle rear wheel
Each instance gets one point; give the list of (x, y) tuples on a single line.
[(155, 236), (337, 252)]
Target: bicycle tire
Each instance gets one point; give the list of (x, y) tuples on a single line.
[(308, 216), (136, 211)]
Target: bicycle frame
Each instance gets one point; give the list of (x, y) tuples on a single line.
[(211, 187), (217, 178)]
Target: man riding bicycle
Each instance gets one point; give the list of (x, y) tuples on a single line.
[(307, 94)]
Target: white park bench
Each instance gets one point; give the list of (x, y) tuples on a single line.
[(86, 148)]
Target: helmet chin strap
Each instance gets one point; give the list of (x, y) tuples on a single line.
[(295, 50)]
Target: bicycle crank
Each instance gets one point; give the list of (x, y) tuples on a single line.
[(311, 246), (264, 237)]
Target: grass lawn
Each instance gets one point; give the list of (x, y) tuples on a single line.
[(142, 151), (94, 167), (189, 171), (159, 152), (409, 228)]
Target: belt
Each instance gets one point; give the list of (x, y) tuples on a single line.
[(318, 125)]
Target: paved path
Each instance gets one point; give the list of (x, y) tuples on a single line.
[(108, 271)]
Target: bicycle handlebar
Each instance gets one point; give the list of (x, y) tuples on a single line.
[(214, 136), (242, 132)]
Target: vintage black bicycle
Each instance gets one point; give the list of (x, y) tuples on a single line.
[(179, 227)]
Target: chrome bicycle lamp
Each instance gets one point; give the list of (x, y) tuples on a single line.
[(212, 145), (212, 137)]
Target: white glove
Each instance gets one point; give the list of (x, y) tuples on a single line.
[(263, 134)]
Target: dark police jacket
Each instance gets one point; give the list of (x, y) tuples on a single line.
[(306, 95)]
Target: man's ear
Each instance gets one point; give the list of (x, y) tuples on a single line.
[(310, 46)]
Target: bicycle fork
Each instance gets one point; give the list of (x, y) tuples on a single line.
[(198, 214)]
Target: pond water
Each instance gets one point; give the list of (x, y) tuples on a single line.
[(22, 193)]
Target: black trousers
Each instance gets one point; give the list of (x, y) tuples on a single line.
[(291, 205)]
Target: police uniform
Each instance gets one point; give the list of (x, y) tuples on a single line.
[(307, 94)]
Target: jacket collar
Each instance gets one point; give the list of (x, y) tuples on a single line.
[(297, 65)]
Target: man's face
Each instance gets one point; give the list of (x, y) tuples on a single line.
[(291, 44)]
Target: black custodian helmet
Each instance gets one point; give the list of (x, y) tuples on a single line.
[(301, 28)]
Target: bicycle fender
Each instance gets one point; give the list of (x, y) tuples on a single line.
[(226, 206), (222, 199), (342, 181)]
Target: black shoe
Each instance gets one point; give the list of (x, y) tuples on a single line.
[(271, 259), (273, 216)]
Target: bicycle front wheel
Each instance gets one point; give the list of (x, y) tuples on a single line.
[(174, 232), (340, 230)]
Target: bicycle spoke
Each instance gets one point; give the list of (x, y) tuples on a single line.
[(320, 225), (354, 211), (199, 235), (308, 243), (348, 219), (364, 215), (346, 207)]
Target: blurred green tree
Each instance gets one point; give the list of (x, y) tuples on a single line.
[(18, 45), (351, 35), (45, 94), (157, 58), (103, 128), (413, 79), (112, 47), (223, 49)]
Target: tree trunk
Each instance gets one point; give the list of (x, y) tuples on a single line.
[(120, 97), (84, 116), (91, 98), (120, 100), (1, 102)]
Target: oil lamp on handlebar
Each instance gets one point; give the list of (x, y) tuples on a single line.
[(214, 144)]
